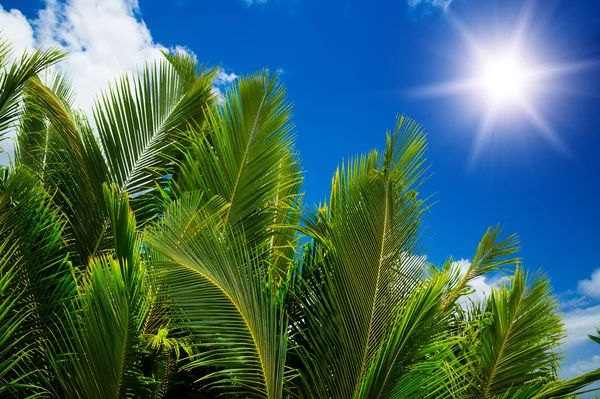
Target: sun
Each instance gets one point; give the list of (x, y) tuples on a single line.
[(504, 80), (508, 82)]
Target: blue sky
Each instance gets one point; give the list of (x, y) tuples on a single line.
[(351, 66)]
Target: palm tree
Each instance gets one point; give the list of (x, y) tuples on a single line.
[(161, 249)]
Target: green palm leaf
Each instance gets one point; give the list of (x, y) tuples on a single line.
[(368, 238), (518, 345), (226, 300), (16, 349), (244, 154), (99, 354), (14, 78), (138, 119)]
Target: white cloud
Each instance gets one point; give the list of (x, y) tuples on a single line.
[(581, 367), (15, 27), (590, 287), (580, 322), (581, 317), (252, 2), (104, 39), (442, 4), (221, 82)]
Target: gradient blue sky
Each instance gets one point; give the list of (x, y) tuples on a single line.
[(351, 66)]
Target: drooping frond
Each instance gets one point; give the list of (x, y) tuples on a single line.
[(67, 144), (226, 300), (46, 100)]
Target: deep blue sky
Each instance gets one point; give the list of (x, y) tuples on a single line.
[(350, 67)]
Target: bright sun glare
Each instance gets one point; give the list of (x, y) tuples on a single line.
[(508, 83), (504, 80)]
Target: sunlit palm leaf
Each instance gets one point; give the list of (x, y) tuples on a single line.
[(491, 255), (139, 117), (518, 345), (369, 237), (245, 154)]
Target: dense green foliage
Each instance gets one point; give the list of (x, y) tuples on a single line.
[(161, 250)]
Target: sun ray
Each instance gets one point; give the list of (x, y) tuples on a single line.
[(484, 132), (544, 128)]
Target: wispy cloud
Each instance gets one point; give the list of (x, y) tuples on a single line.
[(439, 4), (482, 286), (253, 2), (222, 81), (581, 315), (104, 39)]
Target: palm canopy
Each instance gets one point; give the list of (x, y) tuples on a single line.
[(163, 251)]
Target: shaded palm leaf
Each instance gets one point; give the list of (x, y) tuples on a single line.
[(102, 347)]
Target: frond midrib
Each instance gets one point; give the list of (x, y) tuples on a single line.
[(243, 162), (502, 348), (246, 322)]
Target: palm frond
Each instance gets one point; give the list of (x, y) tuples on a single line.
[(490, 256), (418, 333), (14, 78), (244, 154), (372, 222), (226, 300), (519, 344), (97, 353), (139, 117), (16, 348)]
